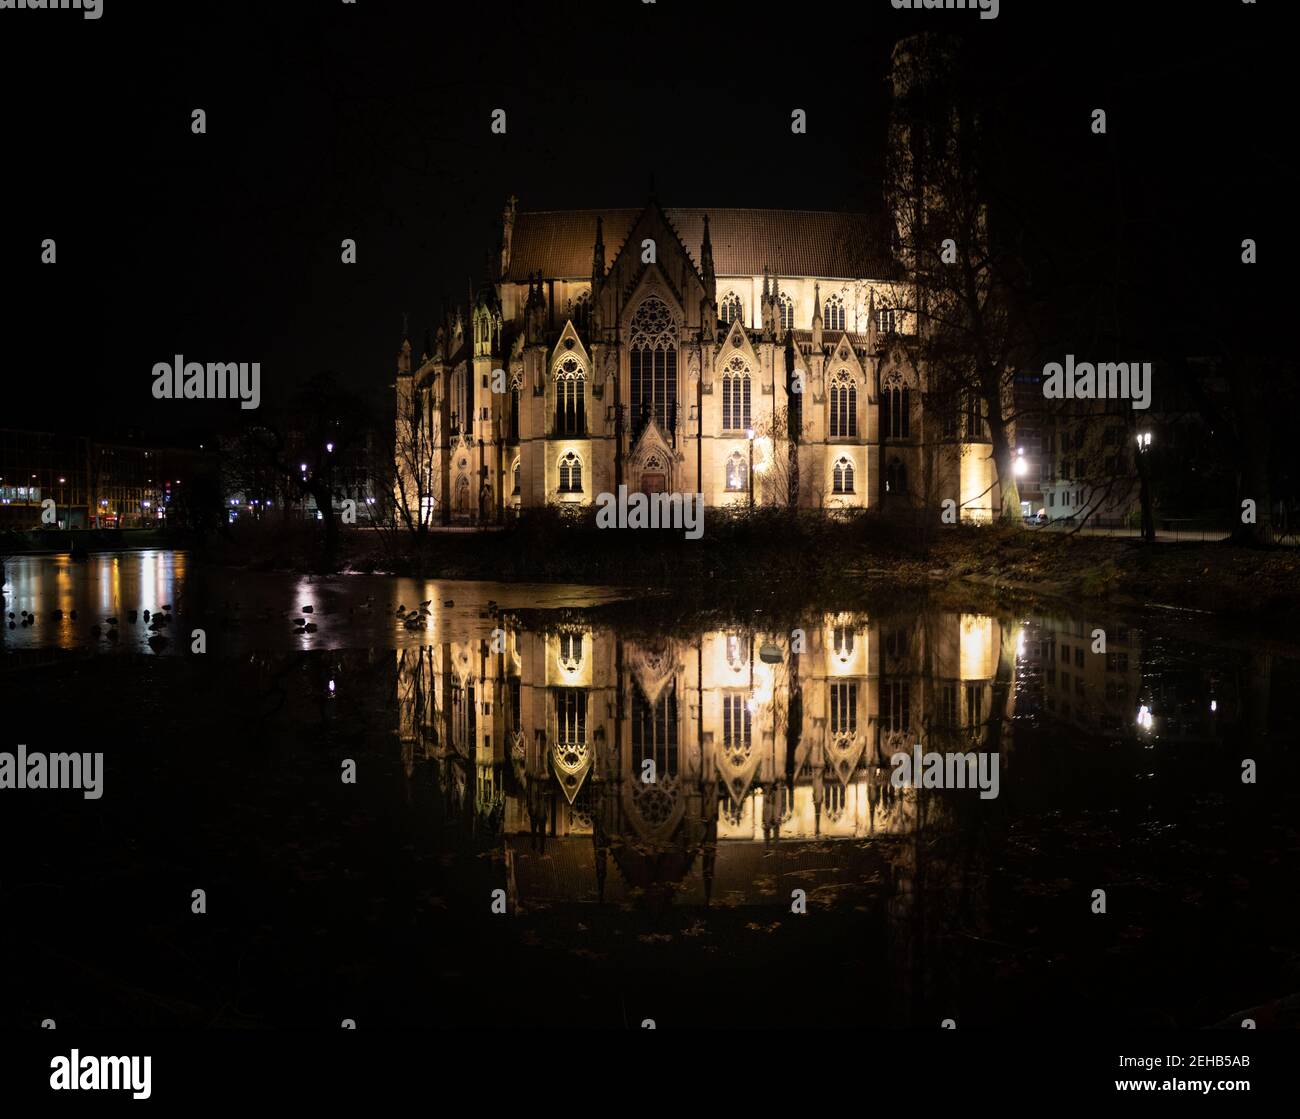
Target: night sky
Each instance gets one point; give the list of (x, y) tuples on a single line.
[(371, 121)]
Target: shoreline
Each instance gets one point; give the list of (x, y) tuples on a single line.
[(767, 562)]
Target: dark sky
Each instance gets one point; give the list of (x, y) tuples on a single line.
[(371, 121)]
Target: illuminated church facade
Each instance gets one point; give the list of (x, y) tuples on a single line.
[(756, 357)]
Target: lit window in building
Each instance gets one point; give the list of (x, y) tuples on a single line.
[(570, 474), (653, 356), (844, 708), (844, 406), (842, 481), (731, 308), (834, 313), (736, 396), (737, 473), (570, 398)]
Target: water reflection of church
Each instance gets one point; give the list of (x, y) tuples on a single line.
[(751, 738)]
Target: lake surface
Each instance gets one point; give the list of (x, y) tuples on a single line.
[(697, 823)]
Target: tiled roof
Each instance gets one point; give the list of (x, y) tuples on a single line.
[(559, 243)]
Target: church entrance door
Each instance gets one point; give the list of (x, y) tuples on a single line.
[(654, 482)]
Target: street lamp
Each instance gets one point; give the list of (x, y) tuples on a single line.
[(749, 476), (1021, 466)]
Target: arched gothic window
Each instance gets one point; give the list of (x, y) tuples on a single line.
[(570, 655), (731, 308), (787, 312), (571, 474), (735, 395), (582, 311), (844, 708), (737, 473), (886, 320), (654, 366), (737, 727), (654, 731), (842, 481), (897, 403), (834, 313), (843, 642), (844, 406), (514, 472), (570, 398)]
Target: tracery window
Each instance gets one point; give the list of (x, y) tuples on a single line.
[(736, 395), (896, 706), (570, 398), (731, 308), (653, 365), (844, 406), (737, 473), (570, 655), (787, 312), (844, 708), (737, 727), (886, 321), (582, 311), (842, 479), (571, 715), (834, 313), (897, 401), (571, 474), (654, 731), (843, 642)]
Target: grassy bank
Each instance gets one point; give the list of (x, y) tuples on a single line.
[(769, 558)]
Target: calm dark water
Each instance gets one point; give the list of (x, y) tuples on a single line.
[(771, 873)]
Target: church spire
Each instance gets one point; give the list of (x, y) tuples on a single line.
[(598, 255)]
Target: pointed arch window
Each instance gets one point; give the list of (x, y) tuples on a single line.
[(834, 313), (844, 406), (654, 731), (737, 473), (898, 412), (570, 654), (582, 311), (570, 474), (571, 717), (731, 308), (886, 321), (653, 366), (736, 395), (843, 637), (570, 398), (842, 480), (737, 727), (844, 708), (786, 308)]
